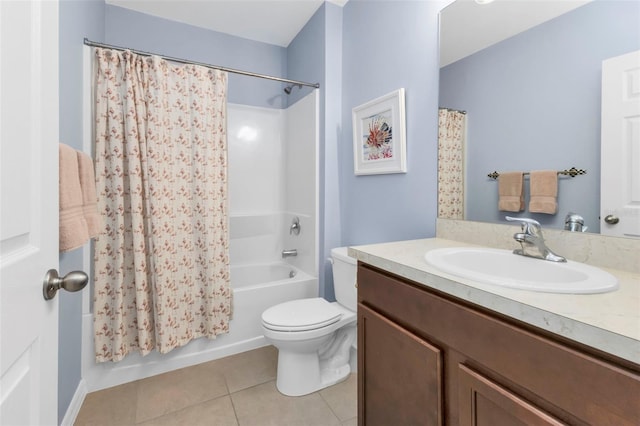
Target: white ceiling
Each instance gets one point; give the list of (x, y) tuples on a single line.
[(467, 27), (269, 21)]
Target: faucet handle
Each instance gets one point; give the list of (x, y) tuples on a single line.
[(528, 225), (295, 226)]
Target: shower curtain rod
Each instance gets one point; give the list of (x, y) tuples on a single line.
[(455, 110), (215, 67)]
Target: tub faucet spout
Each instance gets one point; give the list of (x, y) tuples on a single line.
[(289, 253)]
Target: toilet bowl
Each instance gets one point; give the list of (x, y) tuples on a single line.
[(314, 337)]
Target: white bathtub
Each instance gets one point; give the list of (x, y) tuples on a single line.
[(246, 277), (255, 288), (258, 287)]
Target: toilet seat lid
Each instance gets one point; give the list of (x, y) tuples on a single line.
[(300, 315)]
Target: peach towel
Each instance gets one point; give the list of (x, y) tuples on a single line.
[(544, 191), (89, 198), (511, 191), (73, 226)]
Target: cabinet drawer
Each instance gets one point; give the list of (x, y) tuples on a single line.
[(565, 381)]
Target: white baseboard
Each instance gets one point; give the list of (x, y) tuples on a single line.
[(76, 403)]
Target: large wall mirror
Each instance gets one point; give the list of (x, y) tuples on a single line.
[(532, 99)]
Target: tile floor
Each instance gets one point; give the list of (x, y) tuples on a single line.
[(238, 390)]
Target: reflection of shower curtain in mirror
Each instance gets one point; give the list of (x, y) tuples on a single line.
[(162, 265), (451, 134)]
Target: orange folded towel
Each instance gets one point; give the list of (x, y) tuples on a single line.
[(544, 191), (511, 191), (89, 198), (73, 226)]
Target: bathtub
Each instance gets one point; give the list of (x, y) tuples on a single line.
[(256, 287), (247, 277)]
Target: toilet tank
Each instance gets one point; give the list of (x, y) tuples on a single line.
[(344, 278)]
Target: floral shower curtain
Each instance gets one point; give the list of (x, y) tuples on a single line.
[(451, 134), (162, 266)]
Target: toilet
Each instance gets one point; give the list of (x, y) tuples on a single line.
[(314, 337)]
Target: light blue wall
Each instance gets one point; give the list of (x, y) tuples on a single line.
[(77, 19), (315, 55), (127, 28), (533, 102), (330, 179), (388, 45), (306, 62), (305, 56)]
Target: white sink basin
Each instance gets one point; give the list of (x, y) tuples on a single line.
[(505, 269)]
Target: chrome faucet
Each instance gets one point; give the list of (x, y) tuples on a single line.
[(289, 253), (532, 241), (295, 226)]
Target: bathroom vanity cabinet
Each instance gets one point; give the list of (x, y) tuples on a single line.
[(427, 358)]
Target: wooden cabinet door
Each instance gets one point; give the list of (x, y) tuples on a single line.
[(482, 402), (399, 377)]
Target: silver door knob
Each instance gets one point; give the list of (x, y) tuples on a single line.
[(611, 219), (73, 281)]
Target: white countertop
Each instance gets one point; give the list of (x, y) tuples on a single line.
[(608, 321)]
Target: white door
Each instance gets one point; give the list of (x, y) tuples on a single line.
[(28, 211), (620, 146)]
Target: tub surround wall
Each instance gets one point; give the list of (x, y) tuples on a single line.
[(256, 164), (272, 179), (256, 176), (301, 182), (255, 238)]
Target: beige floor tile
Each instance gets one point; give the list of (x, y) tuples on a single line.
[(113, 406), (198, 395), (250, 368), (342, 398), (263, 405), (218, 412), (179, 389), (351, 422)]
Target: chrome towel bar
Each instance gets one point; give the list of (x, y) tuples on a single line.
[(573, 172)]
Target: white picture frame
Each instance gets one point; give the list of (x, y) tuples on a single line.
[(379, 135)]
